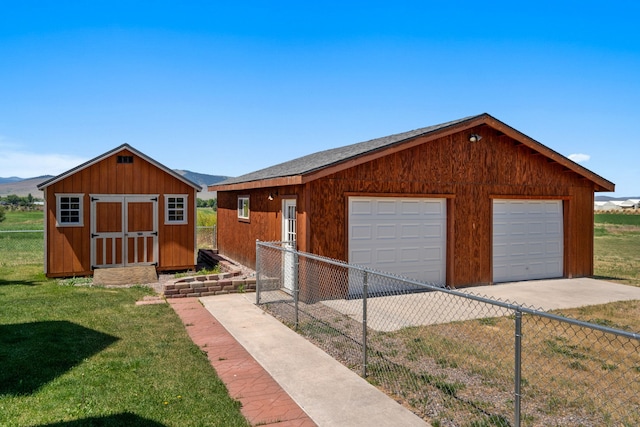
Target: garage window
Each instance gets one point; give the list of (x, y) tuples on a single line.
[(243, 208)]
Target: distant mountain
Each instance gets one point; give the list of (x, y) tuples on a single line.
[(201, 178), (23, 187), (9, 180)]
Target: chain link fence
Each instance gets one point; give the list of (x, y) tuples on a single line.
[(21, 247), (206, 237), (455, 358)]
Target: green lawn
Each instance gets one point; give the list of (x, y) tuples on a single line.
[(30, 220), (88, 356), (85, 354)]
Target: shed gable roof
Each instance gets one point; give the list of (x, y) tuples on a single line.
[(316, 165), (110, 153)]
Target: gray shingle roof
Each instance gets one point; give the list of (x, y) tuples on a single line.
[(322, 159)]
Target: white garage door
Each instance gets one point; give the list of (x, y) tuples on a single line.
[(402, 236), (527, 240)]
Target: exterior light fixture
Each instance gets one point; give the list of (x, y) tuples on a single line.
[(474, 137), (272, 195)]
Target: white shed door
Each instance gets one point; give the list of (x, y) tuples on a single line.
[(403, 236), (527, 240)]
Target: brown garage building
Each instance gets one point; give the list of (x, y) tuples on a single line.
[(463, 203)]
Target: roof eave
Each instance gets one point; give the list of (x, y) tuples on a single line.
[(250, 185)]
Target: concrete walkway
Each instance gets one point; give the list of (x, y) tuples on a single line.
[(283, 380), (329, 393), (264, 402)]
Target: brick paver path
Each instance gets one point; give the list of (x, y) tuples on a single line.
[(264, 402)]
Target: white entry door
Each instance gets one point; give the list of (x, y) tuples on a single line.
[(124, 230), (399, 235), (289, 230), (527, 240)]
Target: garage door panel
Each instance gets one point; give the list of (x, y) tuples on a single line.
[(409, 237), (537, 228), (435, 231), (410, 208), (410, 231), (361, 257), (409, 255), (528, 241), (361, 207), (554, 248), (362, 232), (433, 254), (383, 207), (536, 249), (386, 231)]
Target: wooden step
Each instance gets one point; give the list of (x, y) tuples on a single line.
[(134, 275)]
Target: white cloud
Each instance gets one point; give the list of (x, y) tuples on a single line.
[(579, 157), (28, 165)]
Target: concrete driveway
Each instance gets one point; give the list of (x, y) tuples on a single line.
[(395, 312)]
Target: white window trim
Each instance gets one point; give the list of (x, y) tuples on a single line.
[(241, 215), (185, 214), (80, 222)]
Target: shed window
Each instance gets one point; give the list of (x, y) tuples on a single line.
[(69, 210), (175, 209), (243, 207)]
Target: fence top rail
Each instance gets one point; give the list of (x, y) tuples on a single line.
[(22, 231), (284, 247)]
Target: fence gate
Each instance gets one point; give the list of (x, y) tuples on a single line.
[(124, 230)]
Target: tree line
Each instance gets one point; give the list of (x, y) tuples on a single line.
[(211, 203), (13, 201)]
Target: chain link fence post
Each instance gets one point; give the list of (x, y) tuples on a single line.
[(258, 270), (518, 368), (296, 286), (365, 289)]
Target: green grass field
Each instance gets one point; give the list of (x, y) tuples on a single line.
[(30, 220), (617, 248), (207, 217), (88, 356)]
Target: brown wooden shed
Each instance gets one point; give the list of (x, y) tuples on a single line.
[(120, 209), (463, 203)]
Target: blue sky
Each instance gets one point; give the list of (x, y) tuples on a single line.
[(226, 88)]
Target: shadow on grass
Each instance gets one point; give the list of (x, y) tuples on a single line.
[(32, 354), (117, 420), (21, 282)]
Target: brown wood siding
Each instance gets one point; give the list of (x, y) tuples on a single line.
[(68, 248), (237, 237), (474, 173), (469, 175)]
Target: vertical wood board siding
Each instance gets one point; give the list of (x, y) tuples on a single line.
[(68, 248), (472, 174)]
